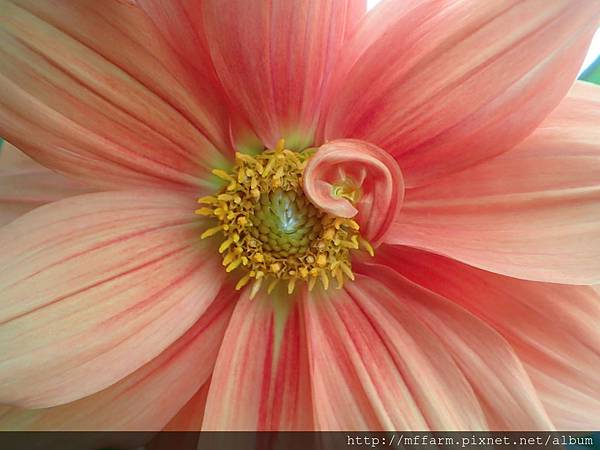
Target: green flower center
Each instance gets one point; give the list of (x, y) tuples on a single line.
[(286, 222)]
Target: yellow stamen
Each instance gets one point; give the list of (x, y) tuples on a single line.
[(234, 265), (211, 232), (222, 174), (367, 246), (272, 285), (225, 245), (325, 280), (291, 285), (243, 282), (204, 211), (255, 288), (280, 145), (208, 200), (270, 228), (311, 283), (321, 260)]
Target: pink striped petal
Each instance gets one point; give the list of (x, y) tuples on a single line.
[(261, 377), (181, 24), (89, 88), (399, 357), (444, 84), (25, 185), (147, 398), (553, 328), (275, 58), (362, 171), (95, 286), (532, 213)]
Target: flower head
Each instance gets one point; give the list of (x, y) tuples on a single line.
[(303, 216)]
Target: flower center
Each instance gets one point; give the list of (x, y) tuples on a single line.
[(271, 229)]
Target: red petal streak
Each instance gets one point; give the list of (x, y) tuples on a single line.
[(150, 396), (91, 89), (274, 60), (553, 328), (444, 84), (360, 165), (376, 366), (261, 379), (487, 362), (95, 286), (180, 22)]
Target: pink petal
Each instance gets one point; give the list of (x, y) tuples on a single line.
[(386, 354), (25, 185), (553, 328), (180, 23), (147, 398), (189, 418), (372, 175), (90, 89), (261, 379), (444, 84), (532, 213), (275, 58), (95, 286)]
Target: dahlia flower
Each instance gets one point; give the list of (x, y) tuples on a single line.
[(296, 215)]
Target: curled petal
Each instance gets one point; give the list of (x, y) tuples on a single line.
[(351, 178)]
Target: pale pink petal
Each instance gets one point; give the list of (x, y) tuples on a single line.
[(532, 213), (387, 354), (91, 89), (261, 379), (95, 286), (444, 84), (25, 185), (149, 397), (351, 178), (553, 328), (274, 59)]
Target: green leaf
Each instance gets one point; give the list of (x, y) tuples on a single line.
[(592, 73)]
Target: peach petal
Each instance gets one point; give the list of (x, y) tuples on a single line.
[(95, 286), (485, 361), (190, 416), (261, 379), (274, 60), (532, 213), (25, 185), (445, 84), (146, 399), (553, 328), (90, 89)]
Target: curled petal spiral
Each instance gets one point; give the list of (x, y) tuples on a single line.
[(352, 178)]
